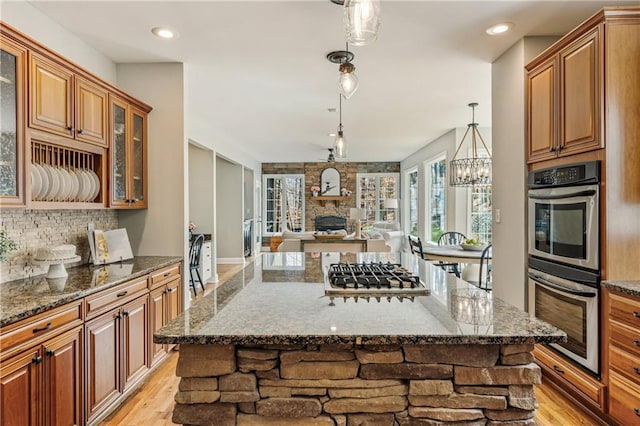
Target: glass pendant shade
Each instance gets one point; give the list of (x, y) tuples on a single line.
[(340, 146), (348, 83), (362, 20)]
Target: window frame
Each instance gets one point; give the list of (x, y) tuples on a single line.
[(266, 198), (407, 206), (378, 216), (428, 233)]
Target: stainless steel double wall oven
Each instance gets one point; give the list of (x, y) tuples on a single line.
[(564, 256)]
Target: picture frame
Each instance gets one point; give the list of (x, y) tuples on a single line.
[(330, 182)]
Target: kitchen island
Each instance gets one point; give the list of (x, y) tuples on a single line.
[(268, 348)]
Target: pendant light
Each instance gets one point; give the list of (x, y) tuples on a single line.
[(340, 145), (361, 20), (473, 171), (347, 80)]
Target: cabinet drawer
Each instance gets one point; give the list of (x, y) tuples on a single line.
[(112, 297), (625, 336), (42, 325), (164, 274), (625, 309), (624, 400), (563, 370), (625, 363)]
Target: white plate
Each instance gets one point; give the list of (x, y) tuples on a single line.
[(96, 183), (54, 183), (87, 186), (84, 188), (65, 184), (75, 185), (45, 182), (36, 182)]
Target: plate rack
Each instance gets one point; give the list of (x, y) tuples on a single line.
[(75, 169)]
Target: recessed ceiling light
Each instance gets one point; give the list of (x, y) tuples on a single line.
[(164, 32), (500, 28)]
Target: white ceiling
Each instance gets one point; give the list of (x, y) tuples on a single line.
[(268, 83)]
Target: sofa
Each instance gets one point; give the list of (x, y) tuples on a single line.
[(390, 232), (291, 242)]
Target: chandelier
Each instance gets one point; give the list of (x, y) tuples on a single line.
[(347, 80), (476, 170)]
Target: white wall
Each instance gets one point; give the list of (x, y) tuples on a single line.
[(457, 198), (229, 218), (162, 228), (201, 189), (509, 168), (33, 23)]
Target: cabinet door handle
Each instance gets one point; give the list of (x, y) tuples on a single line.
[(635, 410), (558, 369), (635, 314), (552, 149), (636, 342), (70, 129), (80, 131), (637, 370), (166, 274), (39, 329), (36, 359), (560, 148), (123, 293), (125, 313), (50, 352)]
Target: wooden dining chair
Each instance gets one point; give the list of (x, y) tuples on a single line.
[(415, 245), (483, 279), (451, 238)]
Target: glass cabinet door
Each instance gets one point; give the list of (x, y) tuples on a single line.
[(119, 153), (12, 69), (137, 159)]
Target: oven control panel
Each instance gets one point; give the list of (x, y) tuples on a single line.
[(566, 175)]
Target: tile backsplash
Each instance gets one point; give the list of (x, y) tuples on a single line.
[(31, 229)]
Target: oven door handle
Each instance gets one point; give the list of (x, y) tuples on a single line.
[(587, 193), (561, 287)]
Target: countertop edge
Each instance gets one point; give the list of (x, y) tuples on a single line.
[(84, 293), (355, 339), (630, 287)]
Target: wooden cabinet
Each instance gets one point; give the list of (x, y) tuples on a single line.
[(12, 126), (164, 305), (66, 104), (564, 94), (128, 155), (43, 384), (623, 314), (117, 346)]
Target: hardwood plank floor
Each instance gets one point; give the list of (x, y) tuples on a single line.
[(153, 403)]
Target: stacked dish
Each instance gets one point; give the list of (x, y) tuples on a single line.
[(55, 183)]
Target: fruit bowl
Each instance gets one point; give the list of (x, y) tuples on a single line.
[(473, 247)]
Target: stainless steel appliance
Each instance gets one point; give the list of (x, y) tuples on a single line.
[(564, 256), (572, 307), (372, 280), (564, 215)]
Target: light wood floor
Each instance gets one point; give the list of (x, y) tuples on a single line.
[(153, 403)]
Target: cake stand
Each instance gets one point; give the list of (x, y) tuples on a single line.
[(57, 274)]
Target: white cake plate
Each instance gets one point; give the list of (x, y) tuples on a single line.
[(57, 274)]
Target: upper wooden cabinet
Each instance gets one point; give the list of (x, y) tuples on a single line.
[(128, 155), (66, 104), (13, 59), (564, 92)]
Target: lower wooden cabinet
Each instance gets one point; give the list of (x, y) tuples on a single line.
[(163, 307), (117, 353), (43, 384)]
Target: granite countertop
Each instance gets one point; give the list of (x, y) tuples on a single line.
[(629, 287), (280, 300), (20, 299)]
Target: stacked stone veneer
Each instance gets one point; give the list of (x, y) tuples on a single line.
[(346, 385), (31, 229)]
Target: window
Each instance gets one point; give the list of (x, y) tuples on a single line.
[(480, 213), (436, 171), (412, 201), (283, 203), (373, 188)]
